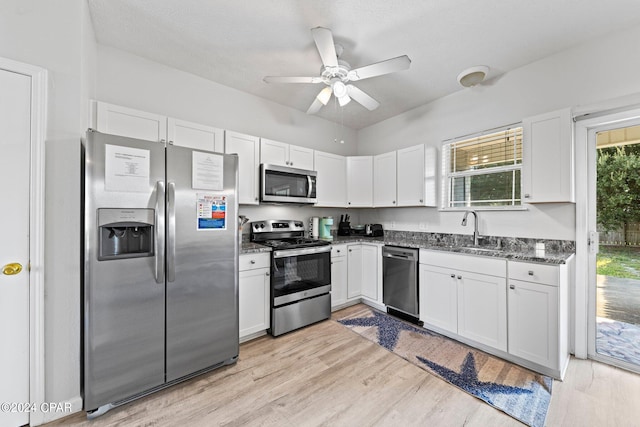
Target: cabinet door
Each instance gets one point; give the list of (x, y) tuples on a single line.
[(194, 135), (247, 148), (301, 157), (253, 301), (370, 272), (331, 180), (124, 121), (360, 181), (384, 180), (482, 309), (438, 297), (547, 158), (354, 282), (339, 280), (411, 176), (533, 322), (274, 152)]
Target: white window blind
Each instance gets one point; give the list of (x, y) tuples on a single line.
[(483, 171)]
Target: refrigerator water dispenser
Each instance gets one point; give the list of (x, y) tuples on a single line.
[(125, 233)]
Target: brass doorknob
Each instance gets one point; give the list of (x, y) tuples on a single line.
[(11, 269)]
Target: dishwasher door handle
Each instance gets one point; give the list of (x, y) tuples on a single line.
[(403, 257)]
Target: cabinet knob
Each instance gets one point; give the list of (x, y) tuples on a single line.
[(338, 251), (252, 261), (394, 202), (290, 163), (348, 203), (459, 277), (256, 199), (350, 250), (267, 274), (453, 276), (530, 272), (420, 200), (512, 286), (526, 196)]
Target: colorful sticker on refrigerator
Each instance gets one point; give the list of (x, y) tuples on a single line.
[(206, 171), (212, 212), (126, 169)]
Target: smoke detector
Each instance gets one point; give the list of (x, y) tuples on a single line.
[(473, 76)]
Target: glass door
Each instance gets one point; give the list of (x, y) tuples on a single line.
[(614, 300)]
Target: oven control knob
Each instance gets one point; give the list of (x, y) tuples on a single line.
[(262, 225)]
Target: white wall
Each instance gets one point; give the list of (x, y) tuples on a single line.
[(596, 71), (135, 82), (50, 34)]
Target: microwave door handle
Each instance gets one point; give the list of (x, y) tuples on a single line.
[(158, 245), (171, 232), (310, 181)]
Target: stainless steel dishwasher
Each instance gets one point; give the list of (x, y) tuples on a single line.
[(400, 281)]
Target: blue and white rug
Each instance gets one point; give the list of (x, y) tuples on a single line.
[(516, 391)]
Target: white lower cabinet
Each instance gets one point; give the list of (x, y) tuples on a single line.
[(482, 309), (339, 275), (538, 314), (458, 297), (370, 266), (354, 282), (517, 310), (253, 294)]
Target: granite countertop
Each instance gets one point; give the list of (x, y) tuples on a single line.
[(510, 253), (557, 252), (253, 248)]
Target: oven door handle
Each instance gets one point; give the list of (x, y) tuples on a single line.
[(302, 251)]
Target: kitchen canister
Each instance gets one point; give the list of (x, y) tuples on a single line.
[(314, 227)]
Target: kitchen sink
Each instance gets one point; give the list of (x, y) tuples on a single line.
[(483, 250)]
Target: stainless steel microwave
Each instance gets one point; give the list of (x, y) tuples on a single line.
[(281, 184)]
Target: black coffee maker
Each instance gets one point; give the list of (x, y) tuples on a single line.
[(344, 227)]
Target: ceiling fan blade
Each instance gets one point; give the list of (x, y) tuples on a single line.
[(379, 68), (326, 47), (362, 98), (316, 105), (279, 79)]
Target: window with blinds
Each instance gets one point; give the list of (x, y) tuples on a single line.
[(483, 171)]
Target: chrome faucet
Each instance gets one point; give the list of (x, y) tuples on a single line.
[(475, 225)]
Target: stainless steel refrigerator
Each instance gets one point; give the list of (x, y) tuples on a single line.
[(160, 285)]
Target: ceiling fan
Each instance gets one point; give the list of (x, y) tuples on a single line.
[(337, 73)]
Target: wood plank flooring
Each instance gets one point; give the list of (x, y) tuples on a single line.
[(326, 375)]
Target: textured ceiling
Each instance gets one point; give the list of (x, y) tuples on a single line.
[(237, 43)]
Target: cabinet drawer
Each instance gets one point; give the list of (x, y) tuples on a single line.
[(457, 262), (338, 250), (532, 272), (253, 261)]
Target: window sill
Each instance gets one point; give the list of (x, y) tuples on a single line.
[(485, 208)]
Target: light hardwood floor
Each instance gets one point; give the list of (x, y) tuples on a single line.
[(327, 375)]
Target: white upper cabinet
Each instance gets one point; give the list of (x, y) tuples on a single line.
[(384, 180), (416, 172), (359, 181), (547, 158), (248, 149), (331, 180), (279, 153), (194, 135), (123, 121)]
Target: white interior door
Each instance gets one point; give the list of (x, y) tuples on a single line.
[(15, 119)]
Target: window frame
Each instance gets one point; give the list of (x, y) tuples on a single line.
[(447, 176)]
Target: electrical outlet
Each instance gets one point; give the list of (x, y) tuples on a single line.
[(393, 224)]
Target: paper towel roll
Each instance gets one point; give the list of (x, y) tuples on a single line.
[(315, 227)]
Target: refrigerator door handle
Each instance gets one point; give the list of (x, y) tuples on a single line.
[(171, 232), (158, 245)]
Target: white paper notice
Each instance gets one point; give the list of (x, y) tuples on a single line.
[(126, 169), (207, 171)]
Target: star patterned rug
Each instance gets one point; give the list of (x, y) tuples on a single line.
[(516, 391)]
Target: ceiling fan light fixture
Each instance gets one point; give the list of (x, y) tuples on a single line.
[(473, 76), (344, 100), (339, 89), (324, 95)]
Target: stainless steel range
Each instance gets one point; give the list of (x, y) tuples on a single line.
[(300, 274)]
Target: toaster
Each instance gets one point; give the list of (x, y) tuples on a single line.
[(374, 230)]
